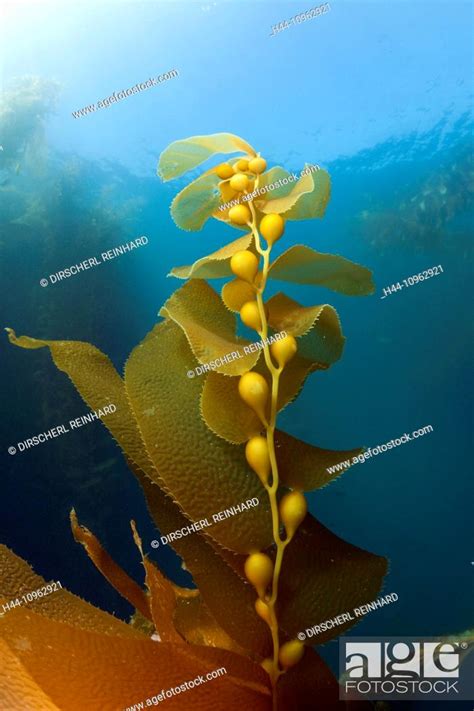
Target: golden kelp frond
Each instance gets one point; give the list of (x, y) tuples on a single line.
[(294, 377), (197, 467), (215, 265), (272, 176), (301, 466), (285, 314), (97, 381), (78, 665), (309, 204), (229, 417), (195, 622), (318, 329), (116, 576), (323, 577), (208, 325), (313, 204), (216, 572), (99, 384), (181, 156), (281, 205), (303, 265), (223, 409), (159, 605), (305, 467), (18, 579), (195, 204), (163, 596)]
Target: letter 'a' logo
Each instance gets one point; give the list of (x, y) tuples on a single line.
[(363, 659)]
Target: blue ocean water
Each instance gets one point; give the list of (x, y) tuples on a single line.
[(379, 94)]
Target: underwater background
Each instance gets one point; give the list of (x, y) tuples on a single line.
[(379, 94)]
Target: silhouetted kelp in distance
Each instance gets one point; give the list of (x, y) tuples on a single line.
[(422, 219), (413, 189), (60, 209), (91, 201), (24, 105), (183, 439), (57, 209)]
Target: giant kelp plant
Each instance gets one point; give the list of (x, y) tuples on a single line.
[(200, 446)]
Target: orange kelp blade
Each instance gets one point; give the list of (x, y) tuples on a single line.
[(75, 667), (116, 576), (18, 690)]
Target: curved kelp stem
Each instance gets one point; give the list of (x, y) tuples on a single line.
[(261, 571), (270, 435)]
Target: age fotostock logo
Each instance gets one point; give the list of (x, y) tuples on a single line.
[(408, 668)]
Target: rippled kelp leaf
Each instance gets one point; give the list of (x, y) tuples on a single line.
[(320, 344), (116, 576), (196, 202), (18, 578), (311, 679), (318, 329), (270, 177), (303, 466), (163, 596), (303, 265), (197, 625), (181, 156), (229, 417), (286, 314), (224, 411), (18, 690), (159, 605), (204, 473), (111, 673), (236, 293), (281, 205), (208, 325), (229, 597), (312, 204), (215, 265), (99, 384), (322, 577), (227, 193), (217, 573)]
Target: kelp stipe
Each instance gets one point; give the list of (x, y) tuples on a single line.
[(202, 445)]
